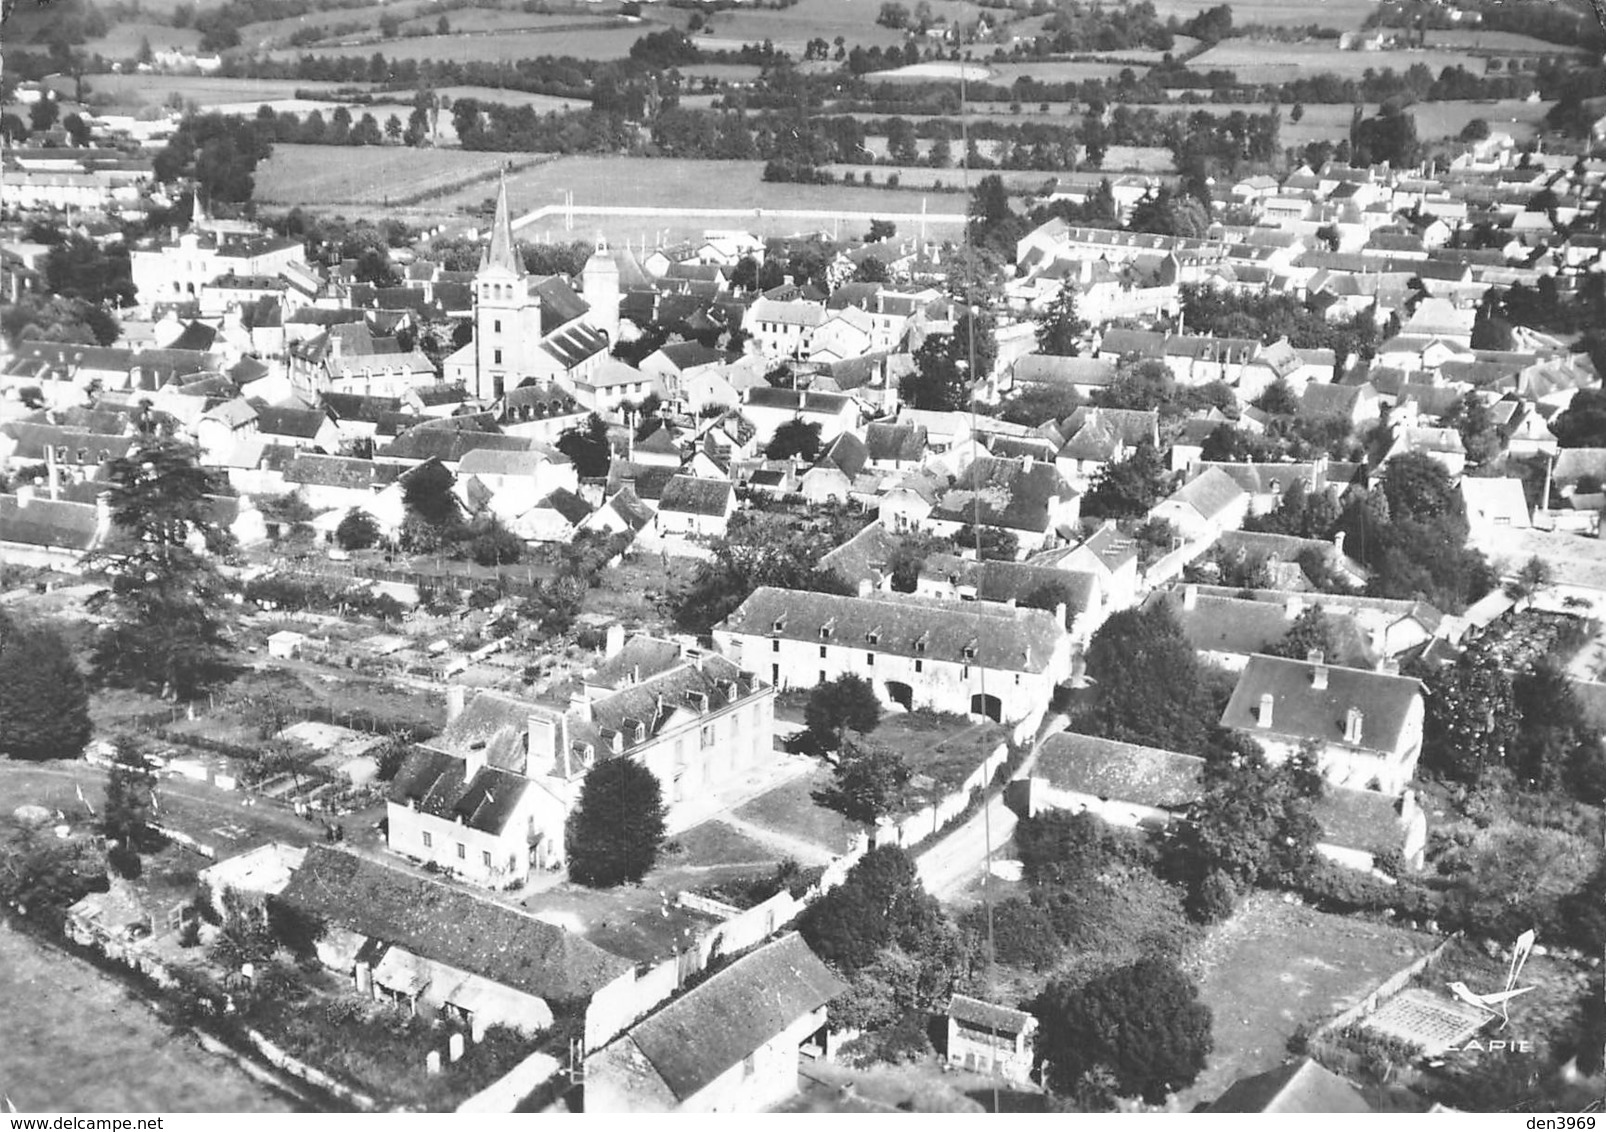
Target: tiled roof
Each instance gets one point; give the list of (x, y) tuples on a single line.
[(300, 423), (1299, 1087), (49, 523), (1000, 1019), (1229, 624), (900, 442), (566, 503), (990, 635), (694, 496), (1211, 493), (1006, 581), (1301, 711), (697, 1037), (1047, 369), (435, 783), (451, 926), (312, 469), (450, 445), (796, 400), (1015, 494), (1122, 772)]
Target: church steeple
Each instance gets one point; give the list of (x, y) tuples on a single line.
[(503, 252)]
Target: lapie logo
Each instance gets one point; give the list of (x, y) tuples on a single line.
[(1497, 1003)]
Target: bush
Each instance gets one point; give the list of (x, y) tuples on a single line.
[(1023, 935), (357, 531), (1213, 898)]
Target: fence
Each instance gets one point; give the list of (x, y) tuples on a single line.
[(317, 1078), (1387, 989), (184, 839), (922, 824), (616, 1006)]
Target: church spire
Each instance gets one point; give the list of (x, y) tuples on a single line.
[(503, 252)]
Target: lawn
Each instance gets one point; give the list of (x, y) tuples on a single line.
[(943, 748), (122, 40), (130, 93), (1261, 60), (715, 845), (1502, 42), (791, 28), (1061, 71), (790, 810), (299, 174), (1274, 966), (75, 1041)]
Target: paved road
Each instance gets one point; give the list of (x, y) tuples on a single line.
[(949, 865), (557, 210)]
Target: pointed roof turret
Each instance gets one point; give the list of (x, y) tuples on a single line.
[(503, 252)]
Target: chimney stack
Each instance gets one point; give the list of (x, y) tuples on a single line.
[(1293, 607), (580, 705), (456, 698), (1318, 672), (1352, 725), (866, 587), (1265, 710), (1190, 596), (616, 640), (1338, 542), (474, 761)]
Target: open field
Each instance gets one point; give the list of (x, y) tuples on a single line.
[(1265, 61), (933, 72), (76, 1042), (1273, 966), (791, 28), (1502, 42), (601, 40), (324, 175), (130, 93), (276, 33), (1342, 14), (123, 39), (1062, 71)]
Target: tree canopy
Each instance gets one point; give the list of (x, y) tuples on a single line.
[(617, 827), (1060, 329), (1147, 686), (44, 702)]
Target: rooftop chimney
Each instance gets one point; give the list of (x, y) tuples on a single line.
[(616, 640), (1293, 607), (474, 761), (1338, 542), (1264, 719), (456, 697), (1190, 596), (1318, 672), (1352, 725), (866, 587), (580, 705)]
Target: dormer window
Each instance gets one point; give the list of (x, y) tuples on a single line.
[(779, 626), (825, 630), (969, 651), (873, 637), (920, 643)]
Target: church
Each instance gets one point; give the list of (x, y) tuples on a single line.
[(534, 329)]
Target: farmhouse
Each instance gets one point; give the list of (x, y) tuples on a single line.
[(1001, 662), (730, 1044), (986, 1038)]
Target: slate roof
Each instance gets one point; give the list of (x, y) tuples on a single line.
[(701, 1034), (694, 496), (450, 445), (495, 462), (1006, 581), (566, 503), (357, 407), (436, 783), (998, 492), (1230, 624), (688, 355), (1301, 711), (864, 556), (49, 523), (313, 469), (1047, 369), (847, 454), (630, 509), (1300, 1086), (798, 401), (450, 926), (647, 481), (997, 636), (1125, 772), (1211, 493), (300, 423), (1000, 1019), (900, 442)]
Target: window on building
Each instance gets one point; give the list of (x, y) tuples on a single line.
[(775, 646), (496, 357), (747, 1066), (496, 326), (429, 840), (964, 672), (462, 851), (869, 659), (920, 666), (485, 858), (707, 737), (822, 652)]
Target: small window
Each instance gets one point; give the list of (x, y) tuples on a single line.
[(496, 356), (496, 326), (964, 672), (822, 652), (485, 858), (920, 666), (462, 851), (429, 840), (869, 659), (707, 737), (775, 646)]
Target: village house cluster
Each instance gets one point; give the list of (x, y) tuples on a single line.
[(289, 377)]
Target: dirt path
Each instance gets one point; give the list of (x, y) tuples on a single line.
[(804, 852)]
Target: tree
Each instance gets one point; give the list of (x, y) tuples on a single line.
[(1309, 633), (358, 530), (1034, 405), (427, 492), (795, 438), (1125, 489), (1060, 330), (1147, 686), (126, 811), (879, 903), (1471, 720), (944, 373), (167, 597), (1278, 399), (42, 114), (869, 781), (838, 706), (880, 230), (495, 545), (1555, 745), (1534, 577), (617, 827), (587, 445), (1144, 1023), (893, 15), (44, 704), (1059, 848)]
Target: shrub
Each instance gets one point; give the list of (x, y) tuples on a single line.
[(1213, 898), (357, 531)]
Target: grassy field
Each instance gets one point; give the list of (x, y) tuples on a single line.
[(76, 1042), (305, 174), (1342, 14), (1062, 71), (130, 93), (603, 40), (1259, 60), (791, 28), (1463, 39), (276, 33), (123, 39), (1273, 966), (790, 810)]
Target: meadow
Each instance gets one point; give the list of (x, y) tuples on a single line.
[(1267, 61), (1062, 71), (368, 175), (791, 28), (1474, 39), (132, 93), (600, 39), (122, 40), (1342, 14)]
